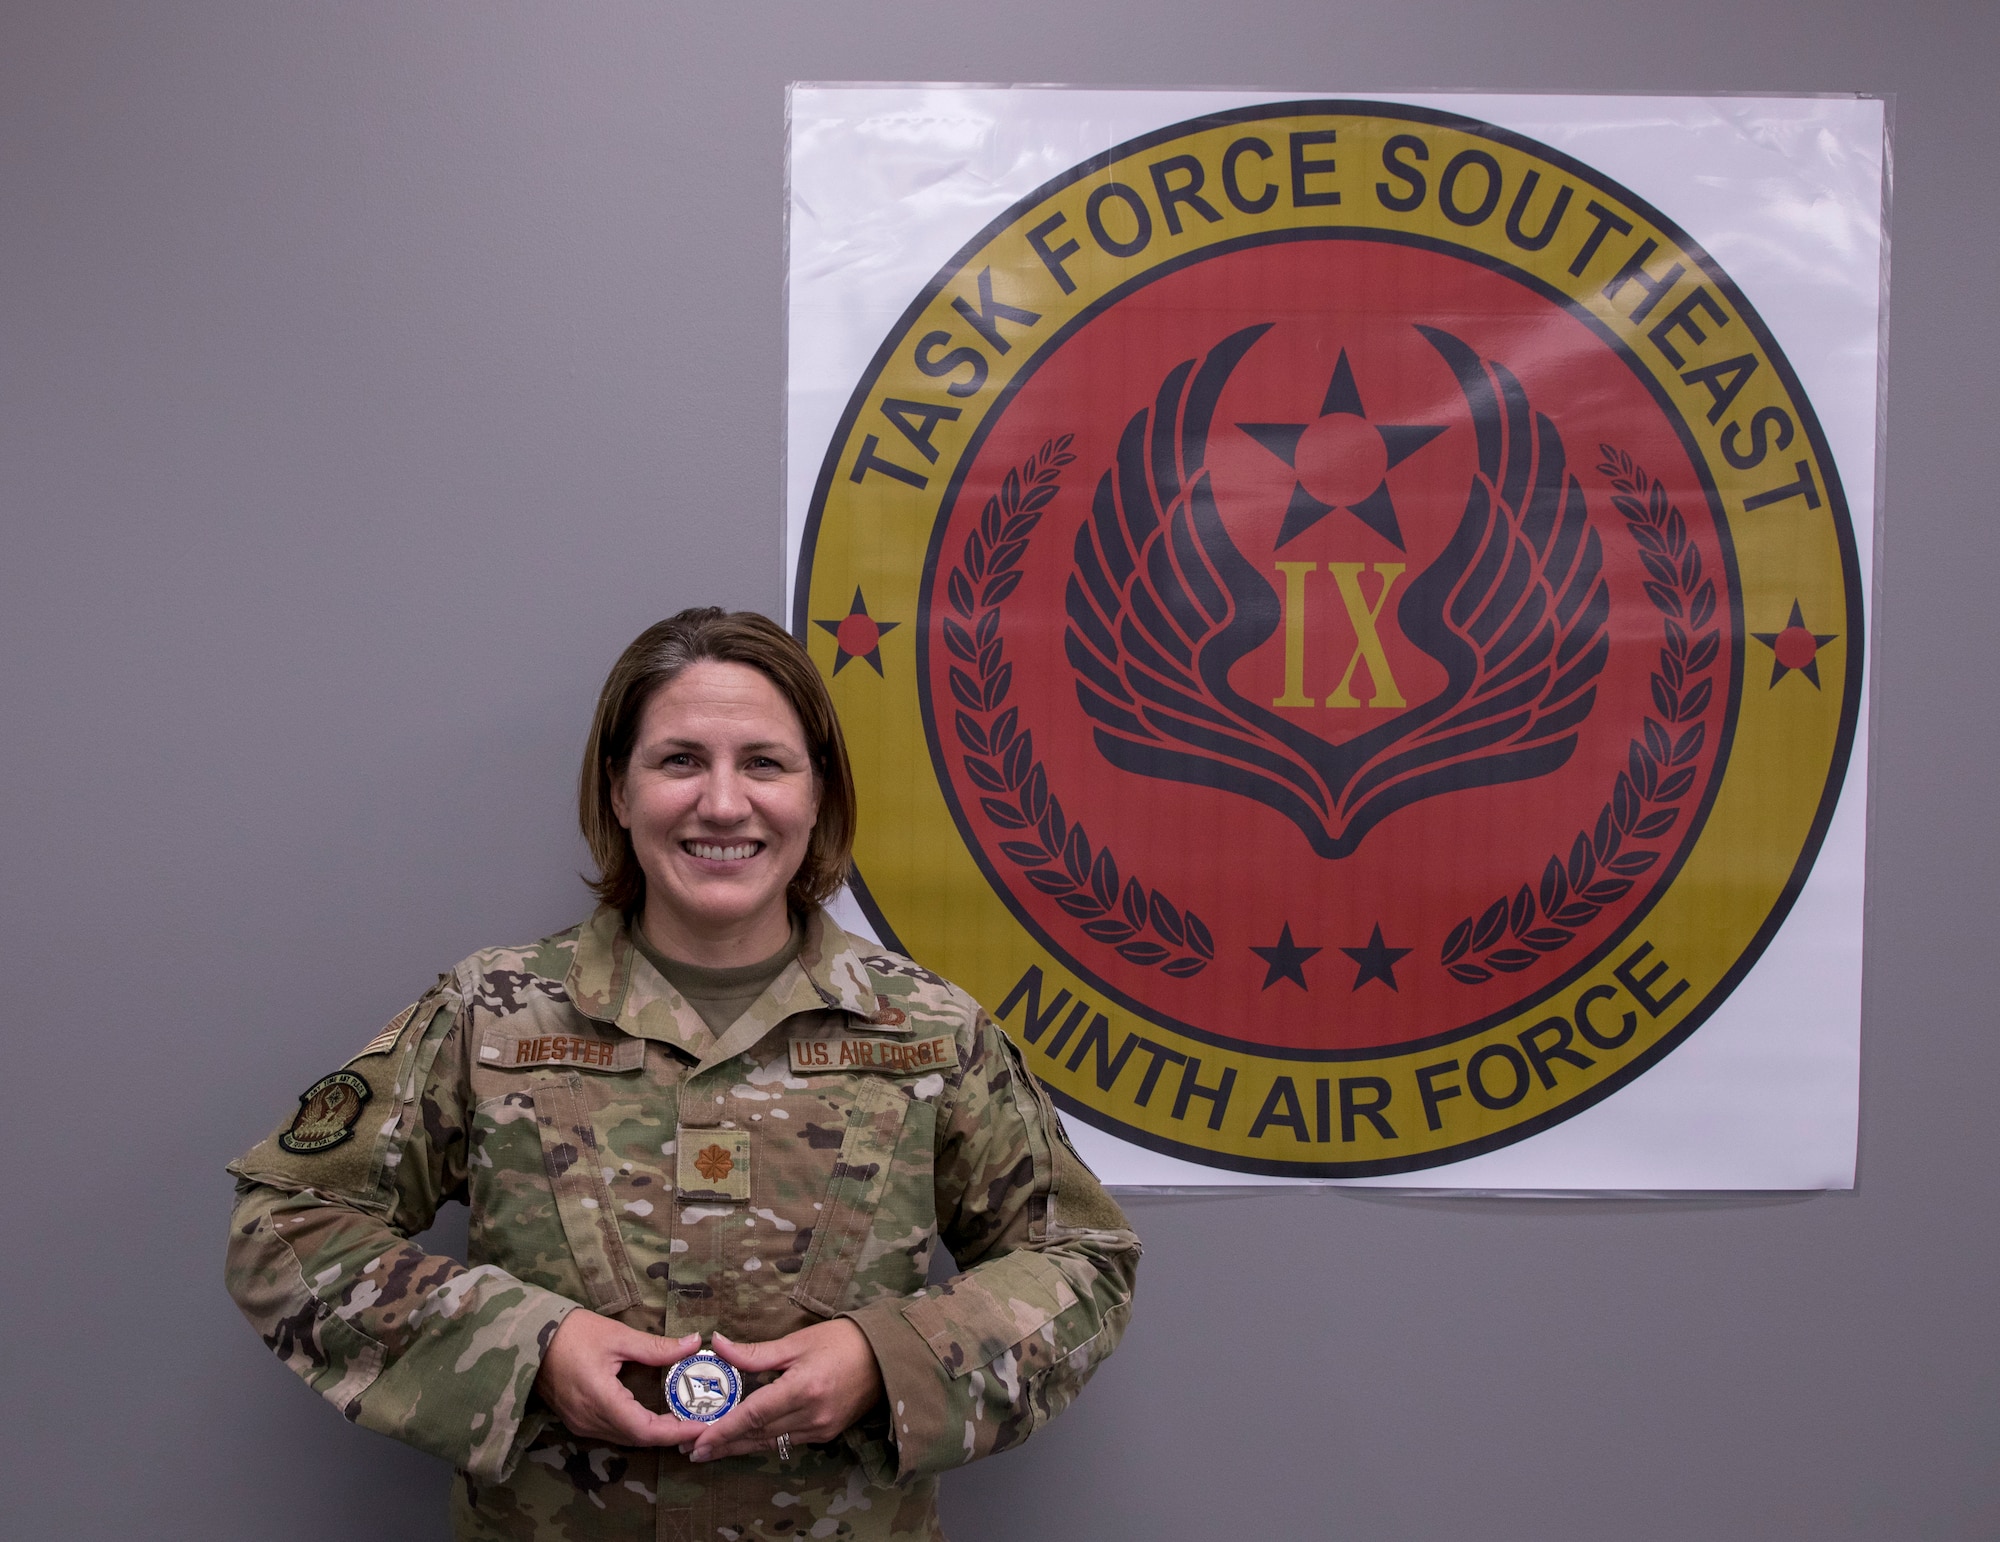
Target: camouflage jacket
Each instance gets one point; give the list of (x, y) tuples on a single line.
[(616, 1153)]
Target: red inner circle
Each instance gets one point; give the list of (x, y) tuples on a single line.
[(1480, 889)]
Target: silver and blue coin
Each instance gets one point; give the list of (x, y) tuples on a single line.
[(703, 1387)]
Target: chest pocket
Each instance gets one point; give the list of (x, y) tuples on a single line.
[(879, 1215), (575, 1170), (539, 1067)]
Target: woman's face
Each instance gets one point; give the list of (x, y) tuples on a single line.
[(720, 800)]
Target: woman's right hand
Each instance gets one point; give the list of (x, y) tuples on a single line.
[(579, 1380)]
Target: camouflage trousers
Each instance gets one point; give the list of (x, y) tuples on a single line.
[(566, 1490)]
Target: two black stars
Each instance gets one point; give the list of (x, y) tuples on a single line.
[(1286, 959), (1342, 460)]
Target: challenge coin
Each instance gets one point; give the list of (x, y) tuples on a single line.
[(703, 1387)]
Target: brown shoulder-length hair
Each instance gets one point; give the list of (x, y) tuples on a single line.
[(655, 658)]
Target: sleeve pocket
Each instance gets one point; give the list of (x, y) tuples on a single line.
[(974, 1319)]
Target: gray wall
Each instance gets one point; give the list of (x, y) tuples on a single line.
[(373, 371)]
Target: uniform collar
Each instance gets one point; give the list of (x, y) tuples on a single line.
[(611, 980)]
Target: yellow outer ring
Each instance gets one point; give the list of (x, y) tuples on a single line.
[(1785, 767)]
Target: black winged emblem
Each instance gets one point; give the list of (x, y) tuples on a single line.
[(1162, 605)]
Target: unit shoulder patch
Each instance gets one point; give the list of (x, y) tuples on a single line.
[(328, 1112)]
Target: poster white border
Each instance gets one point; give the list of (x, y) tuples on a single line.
[(1787, 193)]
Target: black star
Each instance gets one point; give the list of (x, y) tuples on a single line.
[(1374, 509), (1377, 961), (1795, 648), (1285, 960), (858, 634)]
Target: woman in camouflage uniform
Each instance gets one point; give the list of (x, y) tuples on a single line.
[(708, 1111)]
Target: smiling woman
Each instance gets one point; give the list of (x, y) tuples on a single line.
[(705, 1111), (714, 705), (719, 799)]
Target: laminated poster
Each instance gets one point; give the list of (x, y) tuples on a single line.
[(1350, 614)]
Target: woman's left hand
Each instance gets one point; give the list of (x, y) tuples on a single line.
[(827, 1379)]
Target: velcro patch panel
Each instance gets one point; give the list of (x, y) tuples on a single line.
[(712, 1164)]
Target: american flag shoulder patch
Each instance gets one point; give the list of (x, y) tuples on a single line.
[(385, 1041)]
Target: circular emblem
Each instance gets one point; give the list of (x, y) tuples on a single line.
[(703, 1387), (1359, 635), (327, 1113)]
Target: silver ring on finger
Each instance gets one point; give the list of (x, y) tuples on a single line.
[(785, 1449)]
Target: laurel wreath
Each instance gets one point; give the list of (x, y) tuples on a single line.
[(1603, 863), (1085, 880), (1606, 859)]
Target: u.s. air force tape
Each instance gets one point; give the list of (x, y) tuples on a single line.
[(703, 1387), (896, 1056)]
